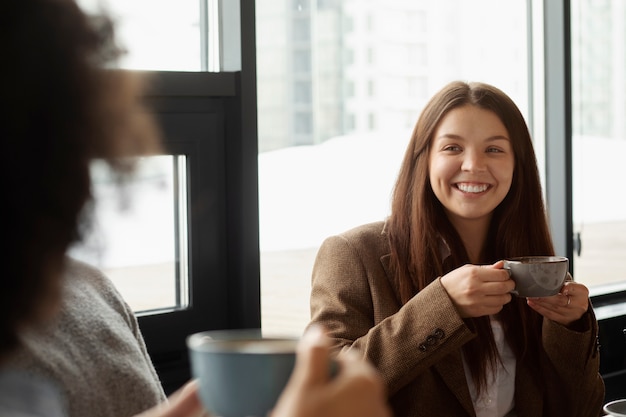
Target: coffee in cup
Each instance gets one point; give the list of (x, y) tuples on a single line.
[(241, 373), (537, 276)]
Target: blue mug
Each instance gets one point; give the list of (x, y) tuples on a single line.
[(241, 373)]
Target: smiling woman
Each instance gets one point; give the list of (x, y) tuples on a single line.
[(424, 296)]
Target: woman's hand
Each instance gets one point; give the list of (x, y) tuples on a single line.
[(356, 390), (183, 403), (566, 307), (478, 291)]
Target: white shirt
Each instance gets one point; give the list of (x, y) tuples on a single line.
[(498, 399)]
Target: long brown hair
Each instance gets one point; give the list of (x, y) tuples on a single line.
[(418, 225)]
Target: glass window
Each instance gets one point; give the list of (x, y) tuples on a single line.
[(302, 92), (349, 89), (145, 30), (343, 175), (371, 88), (301, 5), (348, 23), (371, 121), (371, 56), (139, 235), (417, 55), (303, 123), (302, 61), (349, 56), (302, 29), (599, 142)]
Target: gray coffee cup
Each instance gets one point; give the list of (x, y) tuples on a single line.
[(241, 372), (537, 276), (615, 408)]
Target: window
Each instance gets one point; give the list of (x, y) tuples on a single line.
[(301, 5), (371, 56), (146, 37), (303, 123), (417, 55), (371, 121), (349, 89), (302, 29), (210, 164), (371, 88), (139, 238), (599, 142), (302, 92), (302, 61)]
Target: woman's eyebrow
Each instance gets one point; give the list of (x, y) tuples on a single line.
[(449, 136), (497, 137), (454, 136)]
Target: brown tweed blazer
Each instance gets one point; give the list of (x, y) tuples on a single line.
[(417, 346)]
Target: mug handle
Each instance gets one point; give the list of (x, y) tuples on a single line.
[(508, 269)]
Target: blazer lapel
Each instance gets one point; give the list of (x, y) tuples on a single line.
[(385, 261)]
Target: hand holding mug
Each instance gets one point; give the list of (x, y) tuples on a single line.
[(356, 390), (246, 373), (478, 291), (566, 307)]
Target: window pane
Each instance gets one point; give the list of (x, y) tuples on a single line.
[(599, 140), (158, 35), (139, 233), (331, 166)]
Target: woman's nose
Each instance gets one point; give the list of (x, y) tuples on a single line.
[(473, 161)]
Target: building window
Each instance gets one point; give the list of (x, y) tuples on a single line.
[(302, 61), (303, 124), (302, 92)]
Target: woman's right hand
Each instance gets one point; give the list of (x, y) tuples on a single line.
[(356, 390), (479, 290)]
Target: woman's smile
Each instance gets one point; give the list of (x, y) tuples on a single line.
[(471, 188)]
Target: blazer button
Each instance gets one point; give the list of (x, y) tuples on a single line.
[(423, 347), (431, 341), (439, 334)]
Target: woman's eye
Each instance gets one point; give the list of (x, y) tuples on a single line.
[(495, 150), (453, 148)]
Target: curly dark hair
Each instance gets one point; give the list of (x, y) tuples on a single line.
[(62, 106)]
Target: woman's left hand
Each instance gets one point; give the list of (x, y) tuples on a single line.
[(566, 307)]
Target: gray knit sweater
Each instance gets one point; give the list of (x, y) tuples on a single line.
[(93, 350)]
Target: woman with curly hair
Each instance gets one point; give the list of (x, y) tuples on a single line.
[(424, 296)]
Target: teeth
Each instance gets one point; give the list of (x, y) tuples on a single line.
[(470, 188)]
